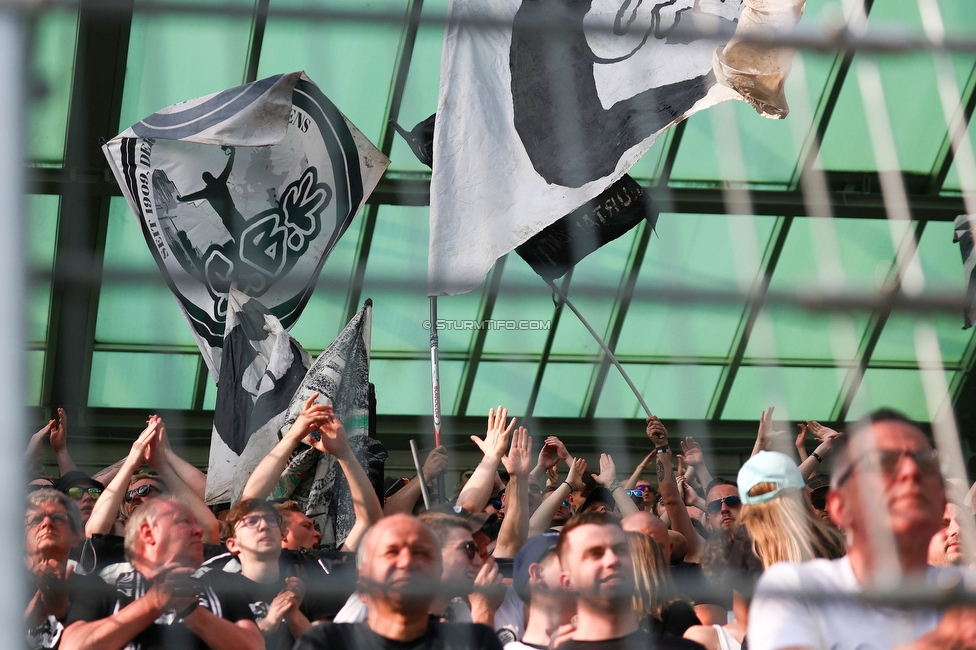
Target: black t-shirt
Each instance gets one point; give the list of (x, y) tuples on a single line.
[(168, 631), (88, 596), (238, 593), (439, 636), (639, 640), (675, 619)]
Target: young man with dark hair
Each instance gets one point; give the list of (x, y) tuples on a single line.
[(596, 566), (536, 579)]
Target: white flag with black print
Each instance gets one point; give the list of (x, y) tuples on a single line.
[(262, 367), (537, 119), (341, 378), (250, 187)]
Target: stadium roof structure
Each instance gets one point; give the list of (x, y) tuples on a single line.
[(699, 311)]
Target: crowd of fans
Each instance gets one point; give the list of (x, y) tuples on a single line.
[(555, 554)]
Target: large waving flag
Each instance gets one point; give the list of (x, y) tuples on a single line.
[(250, 187), (534, 122)]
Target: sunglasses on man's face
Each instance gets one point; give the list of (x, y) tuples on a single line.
[(470, 549), (77, 493), (141, 491), (888, 461), (36, 519), (715, 507), (638, 492), (819, 502)]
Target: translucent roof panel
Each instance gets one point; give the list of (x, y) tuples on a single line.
[(797, 393), (916, 116), (899, 389), (396, 280), (695, 251), (423, 83), (140, 313), (823, 256), (352, 63), (604, 270), (505, 383), (403, 387), (671, 391), (523, 296), (563, 390), (143, 380), (769, 151), (55, 43), (323, 317), (42, 234), (175, 57), (942, 265), (35, 376)]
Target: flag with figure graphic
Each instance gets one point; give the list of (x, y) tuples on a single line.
[(250, 187), (545, 104), (262, 366), (341, 378)]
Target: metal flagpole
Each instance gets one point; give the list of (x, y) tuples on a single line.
[(420, 473), (435, 378), (610, 355)]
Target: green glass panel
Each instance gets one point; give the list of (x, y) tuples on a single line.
[(141, 380), (911, 96), (648, 167), (887, 388), (525, 300), (423, 83), (396, 280), (506, 383), (53, 62), (210, 395), (404, 388), (42, 234), (602, 271), (769, 151), (323, 317), (563, 390), (671, 391), (797, 393), (944, 273), (145, 313), (698, 252), (352, 63), (823, 256), (175, 57), (35, 375)]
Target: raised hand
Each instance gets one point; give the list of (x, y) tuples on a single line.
[(688, 495), (59, 431), (309, 420), (489, 590), (548, 457), (518, 462), (608, 471), (561, 451), (767, 436), (138, 451), (691, 452), (496, 438), (576, 470), (331, 438), (657, 432), (436, 463), (155, 452), (820, 432)]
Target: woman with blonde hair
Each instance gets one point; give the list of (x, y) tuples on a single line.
[(655, 602), (776, 512)]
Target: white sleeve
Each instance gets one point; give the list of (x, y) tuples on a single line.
[(777, 622), (511, 615), (354, 611)]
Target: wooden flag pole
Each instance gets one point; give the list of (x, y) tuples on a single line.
[(436, 389), (610, 355)]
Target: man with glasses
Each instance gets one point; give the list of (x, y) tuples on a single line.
[(888, 495), (82, 489), (52, 527), (161, 603), (722, 505)]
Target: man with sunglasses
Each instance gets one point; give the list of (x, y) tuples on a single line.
[(82, 489), (722, 505), (888, 495)]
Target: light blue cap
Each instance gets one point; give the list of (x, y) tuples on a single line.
[(771, 467)]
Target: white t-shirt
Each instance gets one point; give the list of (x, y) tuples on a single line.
[(777, 621)]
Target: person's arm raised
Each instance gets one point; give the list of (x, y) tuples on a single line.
[(548, 459), (827, 437), (59, 443), (265, 476), (608, 479), (691, 453), (542, 517), (333, 440), (639, 471), (515, 526), (671, 495), (404, 499), (103, 512), (474, 497), (35, 447)]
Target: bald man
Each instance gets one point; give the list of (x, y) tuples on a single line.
[(399, 563), (652, 526)]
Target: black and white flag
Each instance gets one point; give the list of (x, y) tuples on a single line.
[(341, 378), (262, 367), (535, 120), (964, 227), (250, 187)]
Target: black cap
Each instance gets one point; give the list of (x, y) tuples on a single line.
[(75, 478), (475, 520), (599, 494), (818, 482)]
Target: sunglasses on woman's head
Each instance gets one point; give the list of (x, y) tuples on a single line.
[(77, 493), (141, 491)]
